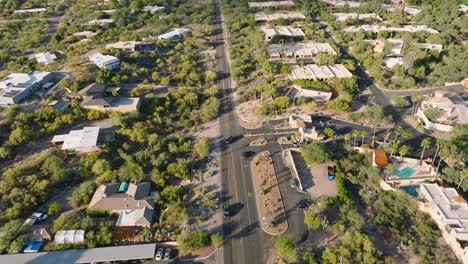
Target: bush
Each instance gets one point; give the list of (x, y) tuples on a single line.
[(315, 153), (312, 220), (285, 248), (82, 195), (191, 241), (216, 239), (54, 209)]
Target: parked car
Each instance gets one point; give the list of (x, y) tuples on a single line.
[(159, 254), (248, 154), (292, 182), (229, 140), (167, 254), (226, 211), (39, 216), (331, 172)]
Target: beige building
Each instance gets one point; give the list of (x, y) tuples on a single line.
[(99, 97), (296, 52), (319, 73)]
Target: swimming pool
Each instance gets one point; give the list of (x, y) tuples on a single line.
[(412, 190), (404, 173), (61, 107)]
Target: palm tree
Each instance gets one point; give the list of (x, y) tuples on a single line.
[(394, 146), (463, 175), (374, 128), (403, 150), (388, 133), (443, 153), (439, 143), (406, 133), (425, 143), (356, 134), (415, 98), (363, 135), (398, 131), (347, 138), (388, 170)]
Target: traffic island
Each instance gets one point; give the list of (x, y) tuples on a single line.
[(267, 195), (258, 142)]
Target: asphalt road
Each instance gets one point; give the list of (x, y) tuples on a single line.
[(244, 242)]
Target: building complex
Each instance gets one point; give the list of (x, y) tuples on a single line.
[(16, 86), (319, 73)]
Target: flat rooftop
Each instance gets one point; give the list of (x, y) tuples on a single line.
[(314, 72), (377, 28), (76, 139), (95, 255), (346, 16), (283, 31), (270, 4), (278, 15), (302, 49)]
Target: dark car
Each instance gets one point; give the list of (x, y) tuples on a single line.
[(229, 140), (248, 154), (226, 211)]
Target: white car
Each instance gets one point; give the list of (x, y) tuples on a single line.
[(159, 254)]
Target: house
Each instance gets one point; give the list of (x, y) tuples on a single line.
[(130, 46), (269, 4), (345, 16), (299, 121), (411, 10), (99, 97), (39, 233), (31, 10), (316, 95), (450, 211), (295, 52), (175, 33), (463, 9), (86, 34), (282, 31), (152, 9), (343, 3), (442, 111), (428, 46), (391, 62), (79, 141), (319, 73), (45, 58), (69, 237), (279, 15), (16, 86), (132, 201), (101, 22), (309, 134), (107, 11), (378, 28), (104, 61), (379, 45)]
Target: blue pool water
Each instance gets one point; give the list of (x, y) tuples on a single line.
[(61, 107), (411, 190), (404, 173)]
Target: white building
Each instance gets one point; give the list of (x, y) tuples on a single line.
[(152, 9), (278, 15), (319, 73), (101, 22), (282, 31), (377, 28), (86, 34), (107, 11), (31, 10), (345, 16), (379, 45), (45, 58), (269, 4), (299, 121), (16, 86), (452, 109), (450, 211), (104, 61), (316, 95), (69, 237), (298, 51), (175, 33), (137, 217), (411, 10), (129, 46), (79, 141), (311, 133), (391, 62), (342, 3), (428, 46)]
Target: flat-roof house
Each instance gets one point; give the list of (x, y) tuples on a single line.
[(152, 9), (175, 33), (130, 46), (343, 3), (45, 58), (269, 4), (132, 201), (317, 95), (31, 10), (104, 61), (391, 62), (282, 31), (298, 51), (299, 121), (448, 109), (279, 15), (16, 86), (99, 97), (309, 133), (69, 237), (79, 141), (345, 16), (379, 45), (411, 10), (319, 73), (450, 211), (101, 22), (86, 34), (378, 28), (428, 46)]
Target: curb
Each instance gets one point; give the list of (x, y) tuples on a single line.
[(201, 258)]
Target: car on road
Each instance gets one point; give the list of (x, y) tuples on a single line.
[(303, 205), (226, 211), (159, 254), (292, 182), (248, 154), (229, 140), (167, 254)]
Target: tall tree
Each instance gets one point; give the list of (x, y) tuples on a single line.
[(364, 134), (403, 150), (356, 134), (425, 144)]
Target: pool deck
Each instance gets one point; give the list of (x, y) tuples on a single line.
[(422, 171)]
